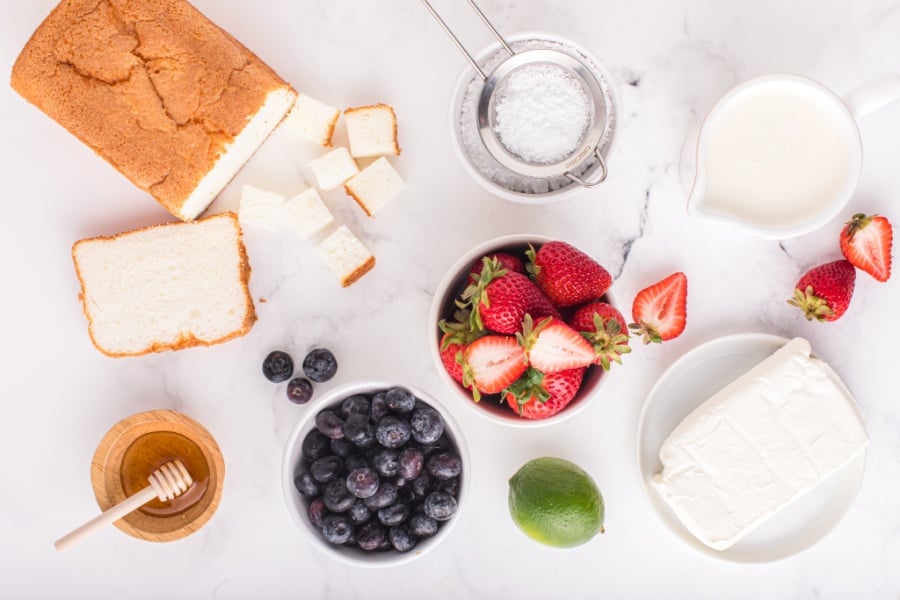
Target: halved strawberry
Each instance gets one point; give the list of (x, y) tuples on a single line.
[(866, 242), (660, 311), (506, 261), (567, 275), (553, 346), (605, 329), (491, 363), (500, 299), (824, 292), (536, 395)]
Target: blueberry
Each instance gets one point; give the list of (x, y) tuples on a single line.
[(306, 485), (355, 405), (370, 536), (393, 514), (358, 430), (337, 497), (379, 407), (410, 463), (444, 465), (330, 424), (278, 366), (385, 544), (421, 485), (386, 462), (342, 448), (392, 432), (299, 390), (440, 506), (355, 461), (401, 540), (315, 445), (320, 365), (427, 425), (443, 443), (337, 529), (405, 495), (359, 513), (422, 526), (317, 512), (450, 486), (363, 482), (385, 495), (326, 468), (399, 400)]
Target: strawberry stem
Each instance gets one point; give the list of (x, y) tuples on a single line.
[(813, 306)]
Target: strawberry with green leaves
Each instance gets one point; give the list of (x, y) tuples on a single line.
[(505, 261), (457, 335), (536, 395), (605, 329), (566, 275), (824, 292), (491, 363), (552, 346), (500, 299), (660, 311), (866, 242)]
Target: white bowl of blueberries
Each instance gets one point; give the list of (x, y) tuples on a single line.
[(375, 473)]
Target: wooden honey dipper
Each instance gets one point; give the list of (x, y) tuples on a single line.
[(166, 483)]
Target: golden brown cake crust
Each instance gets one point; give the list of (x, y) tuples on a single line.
[(153, 87), (381, 106), (189, 340), (359, 272)]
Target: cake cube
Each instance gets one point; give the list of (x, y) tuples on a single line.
[(372, 130), (345, 256), (306, 214), (334, 168), (261, 208), (314, 120), (375, 186)]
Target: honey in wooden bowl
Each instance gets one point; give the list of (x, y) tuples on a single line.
[(142, 443)]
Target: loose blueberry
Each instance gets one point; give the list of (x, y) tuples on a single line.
[(337, 529), (385, 461), (337, 497), (299, 390), (394, 514), (379, 407), (410, 463), (359, 513), (278, 366), (371, 536), (330, 424), (320, 365), (306, 485), (315, 445), (440, 506), (342, 448), (399, 400), (385, 495), (401, 540), (392, 432), (326, 468), (422, 526), (450, 486), (427, 425), (317, 512), (358, 430), (355, 405), (355, 461), (444, 465), (363, 482)]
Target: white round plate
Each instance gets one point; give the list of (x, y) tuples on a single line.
[(685, 385)]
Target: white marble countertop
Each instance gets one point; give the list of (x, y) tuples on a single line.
[(670, 60)]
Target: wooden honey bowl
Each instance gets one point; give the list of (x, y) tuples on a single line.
[(141, 443)]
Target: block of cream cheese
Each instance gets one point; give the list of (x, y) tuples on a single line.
[(760, 442)]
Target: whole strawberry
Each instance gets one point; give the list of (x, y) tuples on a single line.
[(567, 275), (605, 329), (505, 261), (457, 336), (536, 395), (500, 299), (866, 242), (824, 292)]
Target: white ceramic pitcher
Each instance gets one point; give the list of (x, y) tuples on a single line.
[(780, 155)]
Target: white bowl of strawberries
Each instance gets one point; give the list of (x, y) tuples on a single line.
[(524, 329)]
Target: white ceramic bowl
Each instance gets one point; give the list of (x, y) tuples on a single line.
[(297, 505), (449, 289)]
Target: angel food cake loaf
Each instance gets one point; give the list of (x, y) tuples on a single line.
[(765, 439), (168, 98)]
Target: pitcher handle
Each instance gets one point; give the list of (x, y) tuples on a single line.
[(873, 95)]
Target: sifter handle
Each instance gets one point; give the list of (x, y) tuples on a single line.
[(592, 181)]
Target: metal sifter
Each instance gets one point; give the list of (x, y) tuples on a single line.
[(589, 147)]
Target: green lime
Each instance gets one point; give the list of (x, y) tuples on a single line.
[(555, 502)]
